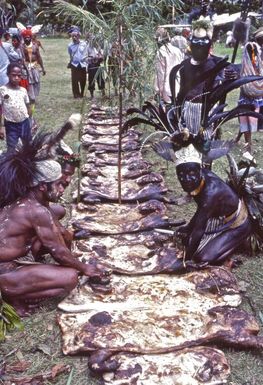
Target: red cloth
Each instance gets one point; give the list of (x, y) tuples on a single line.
[(24, 83)]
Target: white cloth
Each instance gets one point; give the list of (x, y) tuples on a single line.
[(14, 103), (166, 58), (180, 42)]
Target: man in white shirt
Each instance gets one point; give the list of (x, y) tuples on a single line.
[(166, 58), (78, 64)]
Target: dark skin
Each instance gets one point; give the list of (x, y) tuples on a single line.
[(23, 222), (68, 170), (215, 199), (36, 57)]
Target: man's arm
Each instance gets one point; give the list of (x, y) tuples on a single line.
[(40, 61), (51, 238), (196, 227), (12, 54)]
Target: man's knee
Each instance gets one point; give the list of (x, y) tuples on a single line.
[(71, 279)]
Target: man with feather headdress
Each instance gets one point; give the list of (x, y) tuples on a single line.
[(29, 182), (34, 64), (221, 222), (198, 75)]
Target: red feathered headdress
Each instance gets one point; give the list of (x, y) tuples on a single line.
[(26, 33)]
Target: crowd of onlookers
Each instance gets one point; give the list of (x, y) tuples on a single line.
[(21, 66), (191, 55)]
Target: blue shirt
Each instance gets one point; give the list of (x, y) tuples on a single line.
[(7, 54), (78, 54)]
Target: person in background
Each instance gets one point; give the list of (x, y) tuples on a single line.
[(16, 42), (34, 65), (230, 40), (166, 58), (190, 97), (179, 41), (15, 107), (7, 54), (68, 160), (251, 93), (78, 54), (95, 58)]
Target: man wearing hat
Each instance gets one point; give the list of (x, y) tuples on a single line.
[(27, 186), (78, 54), (221, 222)]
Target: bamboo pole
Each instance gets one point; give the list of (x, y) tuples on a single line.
[(120, 105)]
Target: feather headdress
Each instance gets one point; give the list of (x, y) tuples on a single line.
[(172, 124), (31, 163)]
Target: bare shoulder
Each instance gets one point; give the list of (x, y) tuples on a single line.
[(37, 212)]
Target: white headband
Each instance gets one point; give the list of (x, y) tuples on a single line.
[(48, 171), (187, 154)]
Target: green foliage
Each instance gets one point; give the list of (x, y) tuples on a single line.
[(9, 319), (135, 48)]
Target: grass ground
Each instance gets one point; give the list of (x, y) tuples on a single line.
[(39, 344)]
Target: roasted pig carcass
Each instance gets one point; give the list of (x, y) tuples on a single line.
[(153, 329), (194, 366), (160, 291), (124, 218), (104, 158), (154, 315), (132, 254), (88, 140), (127, 171), (106, 190), (130, 145)]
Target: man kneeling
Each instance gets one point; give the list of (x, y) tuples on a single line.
[(221, 221), (26, 188)]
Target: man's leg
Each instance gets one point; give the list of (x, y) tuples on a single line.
[(100, 81), (35, 283), (74, 82), (82, 80), (26, 131), (12, 134), (221, 247), (92, 73)]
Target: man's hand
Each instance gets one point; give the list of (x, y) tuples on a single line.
[(182, 234), (97, 273), (230, 74)]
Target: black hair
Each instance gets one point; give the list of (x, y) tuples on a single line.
[(17, 37), (11, 66)]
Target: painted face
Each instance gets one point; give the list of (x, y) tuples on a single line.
[(54, 191), (15, 76), (68, 171), (27, 40), (200, 48), (189, 175)]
